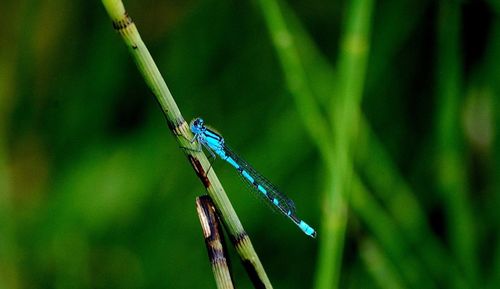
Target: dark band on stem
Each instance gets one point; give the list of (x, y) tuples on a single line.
[(216, 254), (200, 172), (122, 23), (212, 232), (239, 238), (250, 267), (254, 276), (177, 126)]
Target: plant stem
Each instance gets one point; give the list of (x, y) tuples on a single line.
[(344, 118), (451, 175), (214, 241), (127, 29), (352, 68)]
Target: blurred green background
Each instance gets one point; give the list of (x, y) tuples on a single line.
[(95, 193)]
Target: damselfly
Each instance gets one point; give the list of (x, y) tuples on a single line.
[(214, 143)]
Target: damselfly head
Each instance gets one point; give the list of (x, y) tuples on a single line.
[(197, 125)]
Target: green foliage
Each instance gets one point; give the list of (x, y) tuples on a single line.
[(94, 192)]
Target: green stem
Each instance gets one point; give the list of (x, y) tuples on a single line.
[(127, 29), (353, 66), (295, 76), (344, 118), (372, 158), (451, 175)]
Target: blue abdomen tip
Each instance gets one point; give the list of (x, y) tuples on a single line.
[(307, 229)]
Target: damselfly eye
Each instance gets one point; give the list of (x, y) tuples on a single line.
[(197, 125)]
